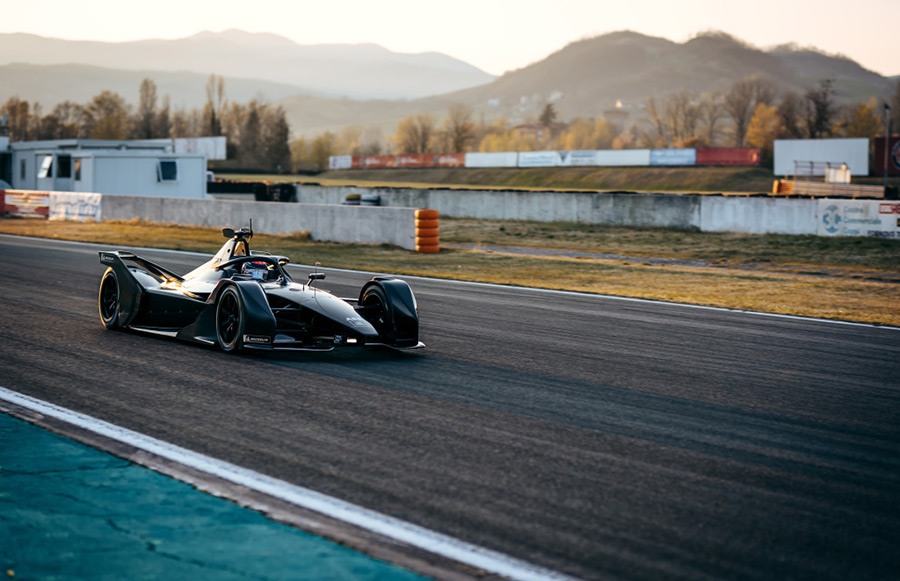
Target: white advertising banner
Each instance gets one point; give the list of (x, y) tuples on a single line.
[(578, 158), (539, 159), (622, 157), (340, 162), (501, 159), (673, 156), (873, 218), (813, 156), (75, 206)]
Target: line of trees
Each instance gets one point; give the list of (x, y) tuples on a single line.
[(258, 135), (752, 113)]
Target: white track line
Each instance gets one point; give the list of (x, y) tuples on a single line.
[(503, 286), (384, 525)]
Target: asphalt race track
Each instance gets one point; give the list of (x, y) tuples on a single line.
[(598, 437)]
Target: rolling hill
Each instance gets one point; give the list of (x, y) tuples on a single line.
[(356, 70)]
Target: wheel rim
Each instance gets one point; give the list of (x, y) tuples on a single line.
[(109, 299), (379, 321), (229, 318)]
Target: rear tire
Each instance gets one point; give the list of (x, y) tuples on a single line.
[(230, 320), (109, 300)]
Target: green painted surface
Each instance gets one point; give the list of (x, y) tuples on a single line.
[(68, 511)]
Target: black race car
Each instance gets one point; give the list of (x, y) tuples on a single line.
[(243, 299)]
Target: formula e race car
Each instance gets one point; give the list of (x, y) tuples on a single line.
[(243, 299)]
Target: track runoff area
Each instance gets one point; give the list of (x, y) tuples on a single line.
[(384, 537)]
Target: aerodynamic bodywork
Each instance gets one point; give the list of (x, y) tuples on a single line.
[(243, 299)]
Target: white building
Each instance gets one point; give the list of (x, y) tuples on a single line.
[(139, 168)]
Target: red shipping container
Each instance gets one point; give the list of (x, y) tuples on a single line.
[(893, 161), (373, 161), (451, 160), (727, 156), (415, 160)]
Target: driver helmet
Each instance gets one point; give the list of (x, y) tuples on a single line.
[(257, 269)]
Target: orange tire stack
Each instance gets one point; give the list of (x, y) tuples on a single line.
[(427, 231)]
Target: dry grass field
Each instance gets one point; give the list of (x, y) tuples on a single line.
[(850, 279)]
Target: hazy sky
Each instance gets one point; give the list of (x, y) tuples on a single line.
[(495, 35)]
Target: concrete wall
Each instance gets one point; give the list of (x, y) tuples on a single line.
[(708, 213), (758, 215), (396, 225), (646, 210), (619, 209), (336, 223)]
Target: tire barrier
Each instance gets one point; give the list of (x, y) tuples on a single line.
[(428, 231)]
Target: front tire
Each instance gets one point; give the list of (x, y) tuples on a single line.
[(230, 320), (109, 300), (377, 310)]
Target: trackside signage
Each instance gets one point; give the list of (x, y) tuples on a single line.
[(875, 219), (75, 206)]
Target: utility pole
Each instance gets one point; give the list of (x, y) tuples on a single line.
[(887, 141)]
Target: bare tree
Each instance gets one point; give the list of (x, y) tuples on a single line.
[(712, 111), (459, 127), (820, 109), (322, 149), (162, 122), (215, 98), (107, 114), (684, 115), (146, 113), (414, 134), (790, 110), (741, 101), (19, 119), (675, 119), (659, 135)]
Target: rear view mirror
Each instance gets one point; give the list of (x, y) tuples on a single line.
[(228, 232), (316, 276)]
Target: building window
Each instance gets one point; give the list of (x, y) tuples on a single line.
[(78, 170), (46, 170), (63, 166), (22, 167), (167, 170)]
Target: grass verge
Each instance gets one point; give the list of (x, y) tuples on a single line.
[(852, 279)]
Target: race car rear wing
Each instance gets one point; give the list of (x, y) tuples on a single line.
[(109, 259)]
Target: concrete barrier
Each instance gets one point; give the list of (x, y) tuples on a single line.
[(647, 210), (334, 223), (397, 225), (708, 213), (757, 215)]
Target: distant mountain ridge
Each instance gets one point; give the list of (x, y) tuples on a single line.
[(354, 70), (591, 77), (586, 78), (631, 67)]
